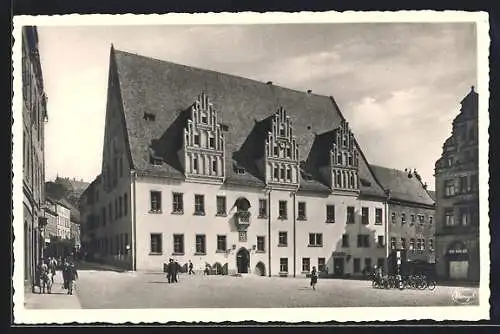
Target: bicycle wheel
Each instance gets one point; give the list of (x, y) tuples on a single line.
[(431, 285)]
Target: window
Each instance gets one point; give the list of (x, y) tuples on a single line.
[(412, 219), (177, 203), (378, 216), (357, 265), (283, 265), (221, 205), (464, 187), (282, 170), (321, 264), (364, 216), (393, 217), (393, 243), (403, 243), (380, 241), (464, 216), (125, 204), (201, 246), (368, 263), (156, 245), (199, 205), (197, 139), (302, 211), (204, 118), (242, 236), (261, 243), (345, 240), (282, 214), (421, 219), (212, 142), (330, 213), (306, 264), (288, 152), (412, 244), (179, 243), (431, 244), (380, 262), (282, 239), (422, 244), (350, 215), (155, 201), (403, 218), (221, 243), (214, 166), (315, 239), (430, 220), (449, 187), (363, 240), (449, 218), (262, 208)]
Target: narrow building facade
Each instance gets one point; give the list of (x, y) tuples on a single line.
[(34, 116), (457, 197), (232, 174)]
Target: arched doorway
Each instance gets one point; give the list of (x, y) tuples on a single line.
[(243, 260), (458, 261), (260, 269)]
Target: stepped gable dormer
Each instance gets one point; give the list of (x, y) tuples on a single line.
[(344, 160), (203, 143), (281, 152)]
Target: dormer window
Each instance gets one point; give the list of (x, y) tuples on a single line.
[(282, 130), (204, 118), (149, 117), (238, 169)]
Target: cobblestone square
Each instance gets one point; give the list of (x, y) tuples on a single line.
[(128, 290)]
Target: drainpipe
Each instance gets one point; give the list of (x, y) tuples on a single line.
[(269, 229), (388, 237), (134, 220)]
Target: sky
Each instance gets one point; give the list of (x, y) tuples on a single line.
[(399, 85)]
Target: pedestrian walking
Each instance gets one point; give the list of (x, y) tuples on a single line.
[(314, 278), (190, 267), (177, 269), (52, 269), (170, 270)]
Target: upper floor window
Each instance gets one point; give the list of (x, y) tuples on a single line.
[(262, 208), (393, 243), (380, 241), (316, 239), (393, 217), (282, 214), (412, 219), (221, 243), (403, 218), (412, 244), (282, 239), (449, 187), (365, 216), (330, 213), (430, 220), (201, 245), (221, 205), (302, 211), (421, 219), (350, 215), (177, 203), (156, 243), (178, 243), (345, 240), (474, 182), (155, 201), (378, 216), (449, 217), (199, 205), (197, 139), (261, 243), (363, 240)]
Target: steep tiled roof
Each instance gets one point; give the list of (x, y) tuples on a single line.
[(432, 194), (167, 90), (402, 187)]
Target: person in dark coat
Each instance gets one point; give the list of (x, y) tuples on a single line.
[(314, 278), (190, 267), (72, 276), (65, 274), (177, 269), (170, 270)]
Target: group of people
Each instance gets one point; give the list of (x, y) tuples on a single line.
[(48, 269)]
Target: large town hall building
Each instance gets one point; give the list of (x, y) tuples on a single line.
[(239, 175)]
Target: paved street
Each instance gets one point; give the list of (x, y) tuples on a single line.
[(58, 299), (111, 289)]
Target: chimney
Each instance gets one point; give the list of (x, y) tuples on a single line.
[(472, 88)]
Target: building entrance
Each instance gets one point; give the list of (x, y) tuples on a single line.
[(458, 261), (338, 266), (243, 260)]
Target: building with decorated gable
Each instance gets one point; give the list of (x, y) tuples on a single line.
[(457, 197), (227, 172)]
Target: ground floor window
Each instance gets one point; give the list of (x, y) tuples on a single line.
[(242, 236), (321, 264), (368, 263), (156, 244), (283, 265), (306, 264)]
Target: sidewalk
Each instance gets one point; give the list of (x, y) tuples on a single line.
[(58, 299)]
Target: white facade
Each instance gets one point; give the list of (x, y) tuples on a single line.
[(63, 222)]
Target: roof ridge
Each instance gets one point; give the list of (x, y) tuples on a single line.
[(218, 72)]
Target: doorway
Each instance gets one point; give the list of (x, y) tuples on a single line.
[(338, 266), (243, 260)]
